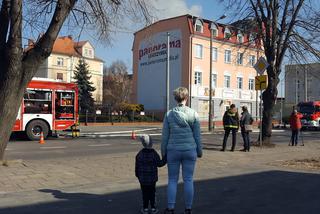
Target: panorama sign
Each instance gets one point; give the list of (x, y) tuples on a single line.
[(152, 60)]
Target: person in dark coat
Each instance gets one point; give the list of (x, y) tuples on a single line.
[(246, 119), (146, 170), (295, 124), (230, 124)]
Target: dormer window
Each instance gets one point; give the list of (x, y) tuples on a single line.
[(214, 30), (240, 37), (252, 39), (88, 52), (198, 27), (227, 33)]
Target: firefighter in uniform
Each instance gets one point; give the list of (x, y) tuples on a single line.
[(230, 123)]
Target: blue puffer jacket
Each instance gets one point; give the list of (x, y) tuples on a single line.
[(181, 130)]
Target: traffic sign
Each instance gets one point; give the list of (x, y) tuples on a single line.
[(261, 65), (261, 82)]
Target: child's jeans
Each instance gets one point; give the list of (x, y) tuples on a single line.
[(148, 195), (187, 160)]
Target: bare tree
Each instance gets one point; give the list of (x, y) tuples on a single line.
[(116, 85), (18, 17), (287, 28)]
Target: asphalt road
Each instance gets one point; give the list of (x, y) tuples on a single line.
[(65, 147)]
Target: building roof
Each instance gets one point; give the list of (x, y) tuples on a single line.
[(235, 28), (67, 46)]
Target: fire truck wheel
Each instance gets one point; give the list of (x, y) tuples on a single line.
[(35, 127)]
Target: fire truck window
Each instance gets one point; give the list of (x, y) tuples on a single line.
[(37, 102), (64, 104)]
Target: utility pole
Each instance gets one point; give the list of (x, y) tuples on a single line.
[(305, 84), (168, 72), (210, 82), (296, 85)]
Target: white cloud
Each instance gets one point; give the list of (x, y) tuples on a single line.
[(167, 9)]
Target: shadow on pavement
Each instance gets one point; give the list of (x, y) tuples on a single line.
[(276, 192)]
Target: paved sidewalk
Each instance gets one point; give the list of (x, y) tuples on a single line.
[(226, 182)]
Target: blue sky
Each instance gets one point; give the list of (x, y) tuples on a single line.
[(120, 48)]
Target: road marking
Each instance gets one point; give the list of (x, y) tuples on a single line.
[(9, 149), (119, 132), (54, 147), (106, 144)]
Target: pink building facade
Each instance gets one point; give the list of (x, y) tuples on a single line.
[(233, 55)]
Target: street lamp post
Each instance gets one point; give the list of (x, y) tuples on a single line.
[(210, 73)]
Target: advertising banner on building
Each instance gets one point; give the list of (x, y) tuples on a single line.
[(152, 57)]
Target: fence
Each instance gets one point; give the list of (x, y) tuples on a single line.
[(117, 118)]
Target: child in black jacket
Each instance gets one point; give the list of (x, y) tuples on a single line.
[(146, 169)]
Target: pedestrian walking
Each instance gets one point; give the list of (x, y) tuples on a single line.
[(146, 169), (181, 143), (230, 124), (295, 125), (246, 121)]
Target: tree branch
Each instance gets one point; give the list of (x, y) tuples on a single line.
[(282, 29), (289, 31)]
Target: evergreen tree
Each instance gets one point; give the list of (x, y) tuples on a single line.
[(82, 78)]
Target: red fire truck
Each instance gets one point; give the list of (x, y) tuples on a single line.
[(311, 114), (47, 106)]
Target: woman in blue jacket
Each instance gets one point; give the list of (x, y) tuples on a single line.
[(181, 143)]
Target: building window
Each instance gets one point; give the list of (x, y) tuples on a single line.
[(240, 38), (240, 58), (214, 54), (198, 26), (227, 56), (251, 84), (90, 53), (197, 77), (199, 51), (214, 30), (59, 76), (227, 33), (59, 61), (214, 80), (239, 82), (252, 60), (226, 81), (252, 39)]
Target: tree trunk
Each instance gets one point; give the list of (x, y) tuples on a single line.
[(11, 93), (269, 97)]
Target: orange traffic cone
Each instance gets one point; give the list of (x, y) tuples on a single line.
[(133, 135), (41, 138)]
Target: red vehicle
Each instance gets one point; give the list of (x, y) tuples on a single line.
[(47, 106), (311, 114)]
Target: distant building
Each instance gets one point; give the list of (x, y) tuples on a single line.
[(302, 83), (234, 54), (66, 53)]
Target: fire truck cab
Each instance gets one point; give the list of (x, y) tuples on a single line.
[(311, 114), (47, 106)]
